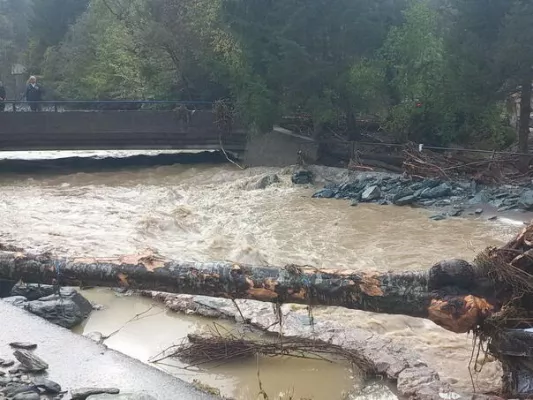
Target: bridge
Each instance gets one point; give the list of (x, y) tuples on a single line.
[(116, 125)]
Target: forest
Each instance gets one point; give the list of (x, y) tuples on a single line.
[(438, 71)]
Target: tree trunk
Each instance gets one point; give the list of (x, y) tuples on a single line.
[(523, 129), (493, 297), (454, 294)]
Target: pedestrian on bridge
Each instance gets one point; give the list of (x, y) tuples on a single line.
[(2, 97), (34, 94)]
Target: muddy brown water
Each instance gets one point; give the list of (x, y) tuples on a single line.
[(210, 212)]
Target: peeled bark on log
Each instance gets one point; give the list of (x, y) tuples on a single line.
[(455, 294), (417, 294), (492, 296)]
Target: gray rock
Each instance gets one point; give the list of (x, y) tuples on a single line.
[(2, 373), (354, 203), (405, 200), (124, 396), (97, 337), (23, 345), (526, 200), (15, 389), (410, 379), (27, 396), (371, 193), (29, 361), (66, 309), (324, 194), (457, 212), (8, 363), (32, 291), (264, 182), (84, 393), (482, 197), (4, 381), (440, 191), (17, 301), (302, 177), (479, 211), (403, 193), (430, 183), (47, 385), (438, 217)]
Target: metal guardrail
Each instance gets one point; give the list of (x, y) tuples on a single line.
[(99, 105)]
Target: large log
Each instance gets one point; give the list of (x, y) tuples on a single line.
[(454, 294), (492, 296)]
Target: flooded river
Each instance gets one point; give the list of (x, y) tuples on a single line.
[(211, 212)]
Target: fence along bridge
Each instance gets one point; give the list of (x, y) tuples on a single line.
[(115, 125)]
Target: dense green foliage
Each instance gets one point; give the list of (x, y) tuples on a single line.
[(433, 71)]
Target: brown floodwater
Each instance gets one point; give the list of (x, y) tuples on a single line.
[(207, 212)]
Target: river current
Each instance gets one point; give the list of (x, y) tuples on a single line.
[(212, 212)]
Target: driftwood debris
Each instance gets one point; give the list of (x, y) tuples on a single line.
[(491, 297), (417, 294)]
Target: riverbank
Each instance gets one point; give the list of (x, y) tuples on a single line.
[(217, 212), (76, 362), (412, 373), (446, 198)]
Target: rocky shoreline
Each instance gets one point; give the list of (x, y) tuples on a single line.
[(413, 378), (27, 378), (447, 198)]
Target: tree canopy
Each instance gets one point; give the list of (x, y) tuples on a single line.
[(434, 71)]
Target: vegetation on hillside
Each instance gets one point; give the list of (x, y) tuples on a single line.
[(434, 71)]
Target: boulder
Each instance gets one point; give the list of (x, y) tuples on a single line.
[(324, 194), (411, 379), (371, 193), (32, 291), (17, 301), (27, 396), (13, 389), (263, 182), (403, 193), (439, 191), (405, 200), (526, 200), (47, 385), (302, 177), (66, 309), (482, 197), (84, 393), (29, 362)]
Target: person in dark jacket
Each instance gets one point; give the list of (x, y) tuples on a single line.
[(34, 94), (2, 97)]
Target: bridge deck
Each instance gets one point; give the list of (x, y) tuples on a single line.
[(114, 130)]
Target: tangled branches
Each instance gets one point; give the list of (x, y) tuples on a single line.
[(485, 168), (222, 347)]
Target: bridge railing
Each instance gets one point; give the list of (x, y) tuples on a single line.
[(101, 105)]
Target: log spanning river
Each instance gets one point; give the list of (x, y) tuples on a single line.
[(209, 212)]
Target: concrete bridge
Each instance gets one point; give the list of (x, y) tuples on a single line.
[(117, 125)]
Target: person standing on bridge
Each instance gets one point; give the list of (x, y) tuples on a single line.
[(34, 94), (2, 97)]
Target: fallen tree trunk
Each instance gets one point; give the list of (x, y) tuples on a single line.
[(455, 294), (417, 294), (493, 296)]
